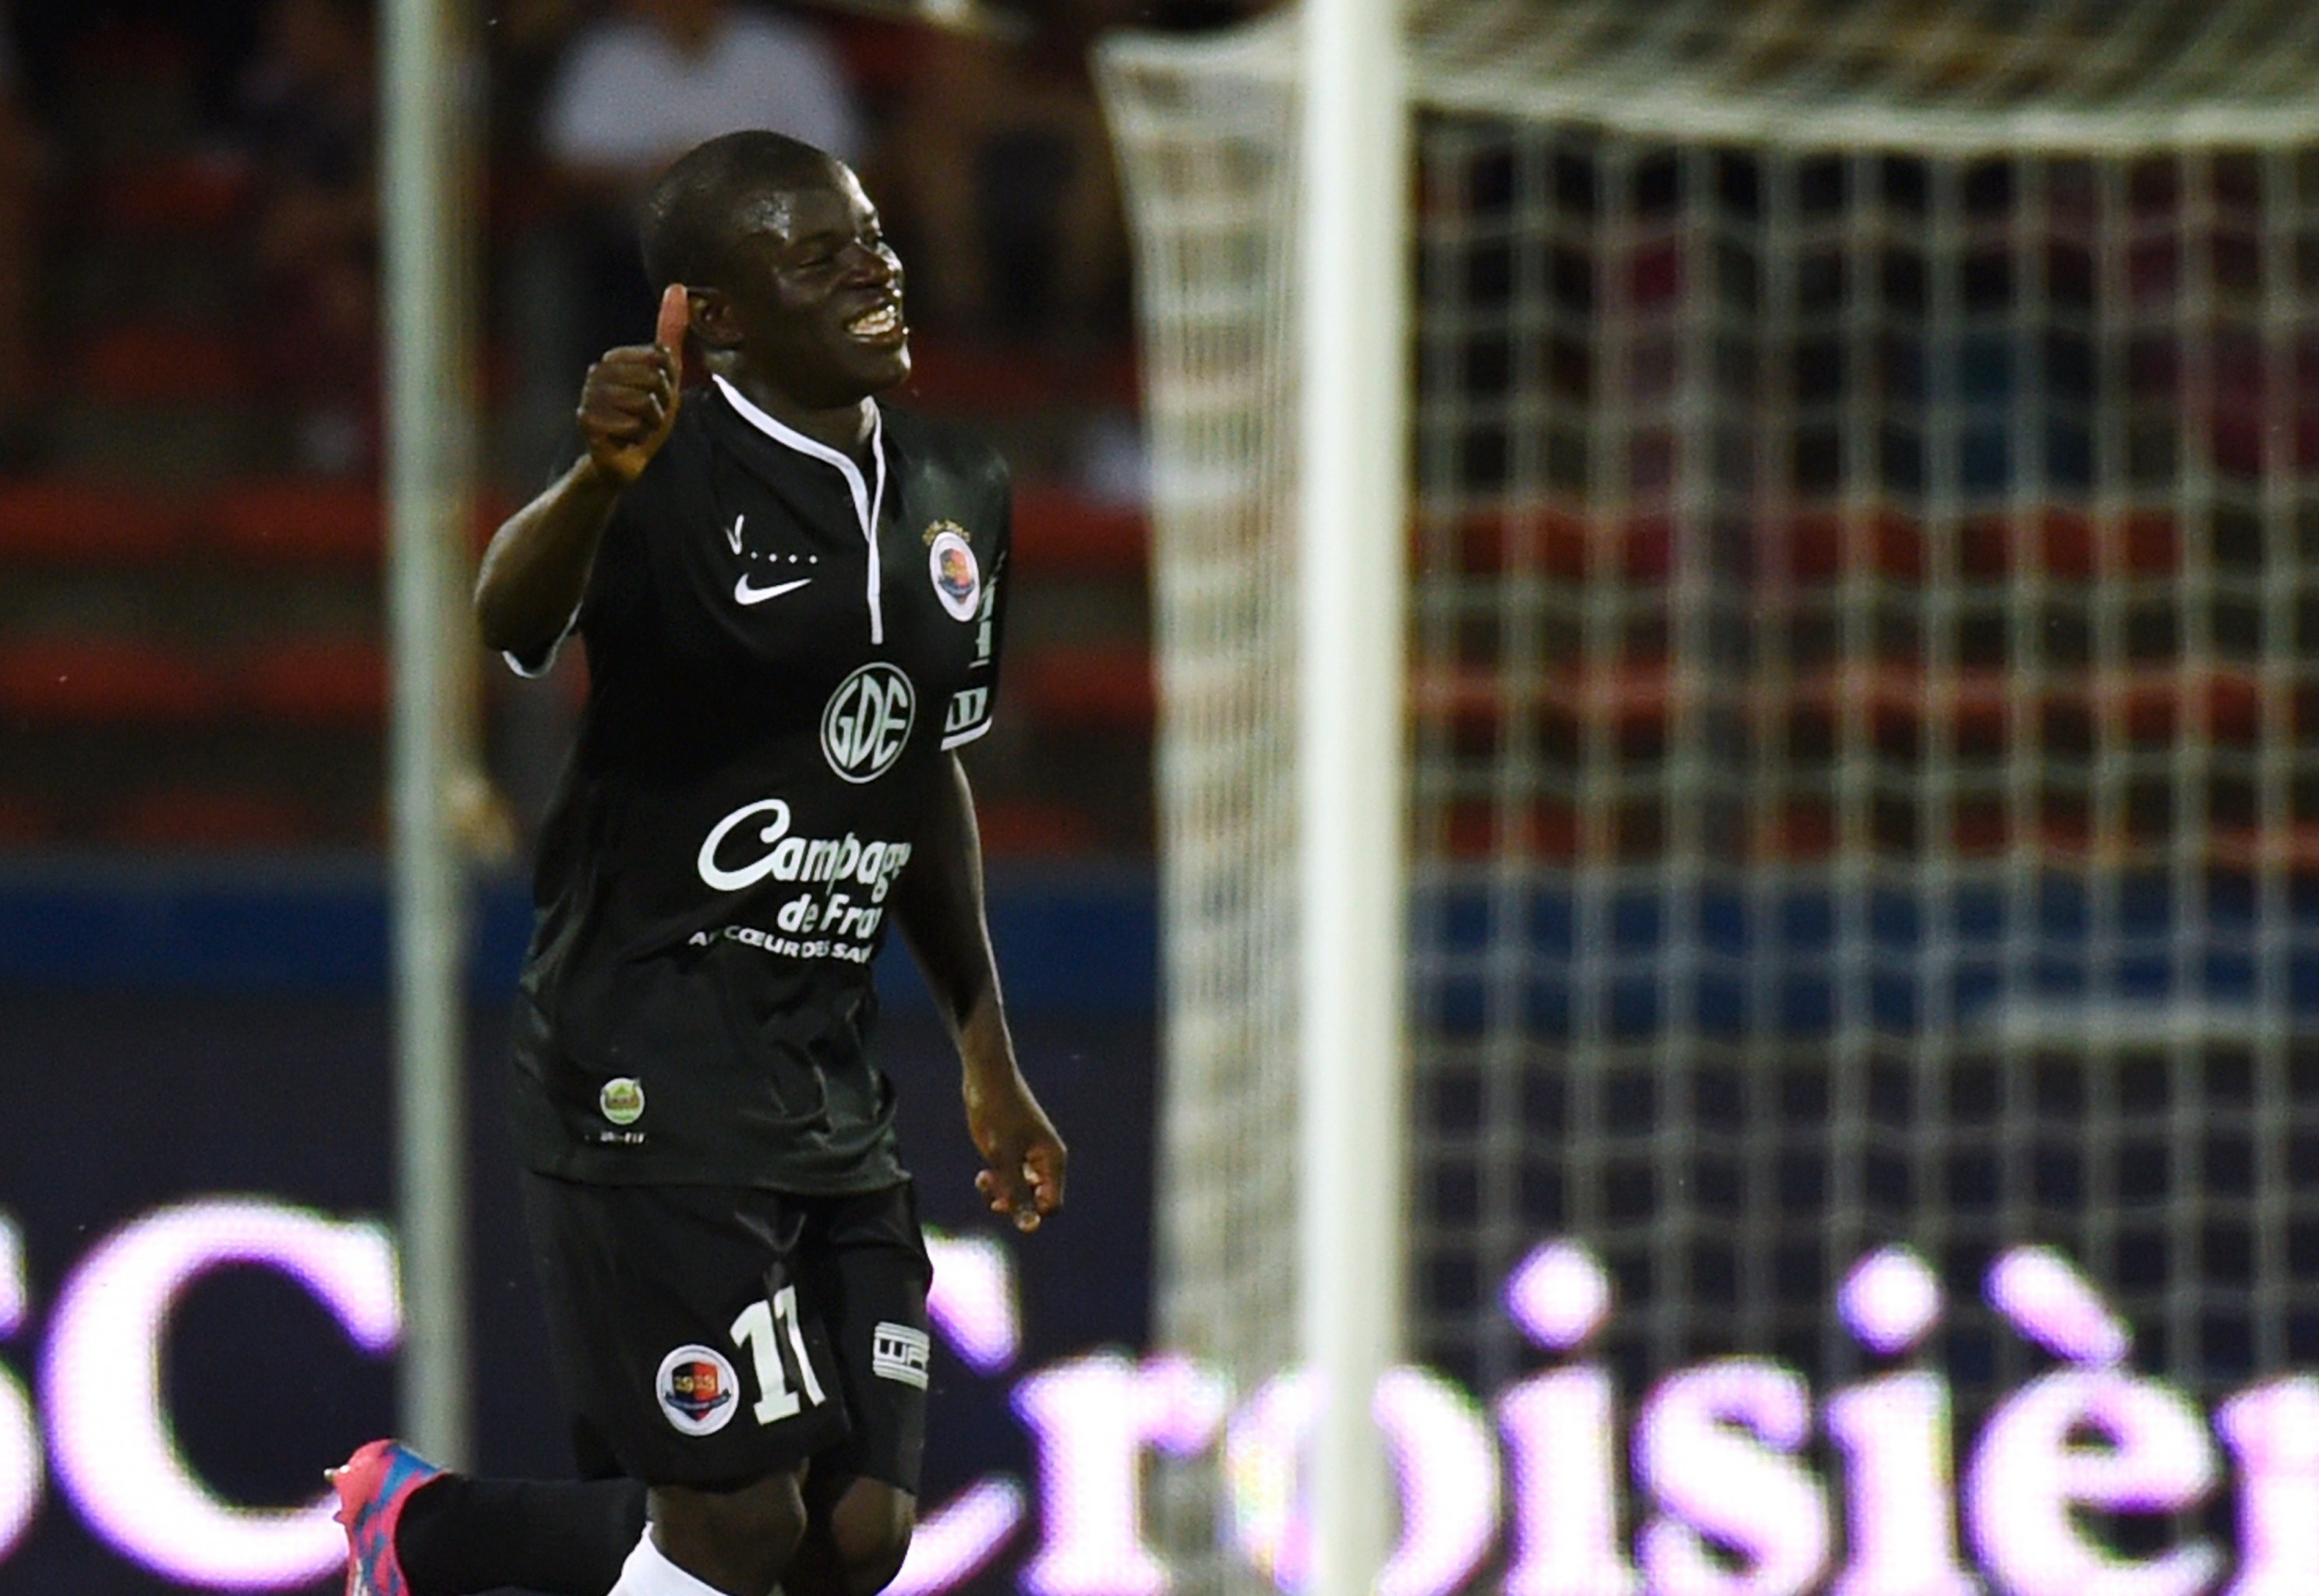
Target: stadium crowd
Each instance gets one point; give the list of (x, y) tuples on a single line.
[(192, 192)]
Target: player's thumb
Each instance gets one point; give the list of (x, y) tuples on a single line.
[(675, 316)]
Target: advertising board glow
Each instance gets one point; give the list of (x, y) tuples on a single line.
[(20, 1435), (1709, 1490), (109, 1430)]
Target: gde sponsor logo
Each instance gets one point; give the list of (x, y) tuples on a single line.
[(1702, 1487), (867, 722)]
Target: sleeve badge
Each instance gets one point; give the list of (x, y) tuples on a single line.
[(950, 563)]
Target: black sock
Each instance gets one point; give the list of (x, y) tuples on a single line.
[(561, 1538)]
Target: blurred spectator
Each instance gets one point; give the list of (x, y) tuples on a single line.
[(1000, 154), (526, 42), (20, 241), (309, 121), (661, 76), (635, 89)]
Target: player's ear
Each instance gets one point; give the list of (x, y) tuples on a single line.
[(712, 319)]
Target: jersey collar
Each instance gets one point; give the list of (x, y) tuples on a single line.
[(868, 498)]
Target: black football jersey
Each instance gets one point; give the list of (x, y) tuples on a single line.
[(782, 647)]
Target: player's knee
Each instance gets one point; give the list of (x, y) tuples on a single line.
[(870, 1527), (736, 1539)]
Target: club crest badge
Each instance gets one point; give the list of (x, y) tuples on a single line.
[(696, 1388), (950, 560), (622, 1100)]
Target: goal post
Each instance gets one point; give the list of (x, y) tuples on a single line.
[(1352, 500), (429, 483), (1862, 666)]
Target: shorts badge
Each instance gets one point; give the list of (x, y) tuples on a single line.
[(957, 580), (696, 1389), (622, 1100), (898, 1352)]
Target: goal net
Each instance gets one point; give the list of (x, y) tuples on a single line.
[(1864, 679)]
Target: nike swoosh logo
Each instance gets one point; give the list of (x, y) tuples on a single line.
[(743, 593)]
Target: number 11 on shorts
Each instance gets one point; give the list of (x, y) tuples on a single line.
[(755, 1332)]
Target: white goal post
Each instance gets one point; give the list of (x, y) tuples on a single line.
[(1862, 679)]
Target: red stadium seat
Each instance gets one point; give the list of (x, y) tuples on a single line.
[(882, 58), (1828, 545), (1806, 829), (1560, 544), (302, 521), (188, 195), (318, 681), (998, 379), (2148, 543), (1801, 831), (1988, 547), (2071, 544), (1489, 543), (1631, 700), (1646, 545), (1061, 533), (1460, 697), (1020, 827), (1977, 709), (200, 818), (67, 519), (1543, 829), (65, 679), (2162, 706), (321, 522), (162, 365), (26, 822), (1655, 271), (1086, 688), (948, 374), (492, 508), (2294, 847)]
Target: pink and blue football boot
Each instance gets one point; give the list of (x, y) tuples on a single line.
[(373, 1485)]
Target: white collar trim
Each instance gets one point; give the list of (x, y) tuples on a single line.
[(869, 499)]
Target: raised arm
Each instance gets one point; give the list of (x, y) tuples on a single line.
[(938, 906), (537, 567)]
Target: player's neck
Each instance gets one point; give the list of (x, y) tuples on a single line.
[(845, 427)]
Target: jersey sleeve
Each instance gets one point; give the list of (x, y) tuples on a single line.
[(972, 707), (621, 580), (617, 580)]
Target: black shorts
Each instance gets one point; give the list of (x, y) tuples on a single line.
[(711, 1336)]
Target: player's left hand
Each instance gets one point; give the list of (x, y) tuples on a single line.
[(1024, 1158)]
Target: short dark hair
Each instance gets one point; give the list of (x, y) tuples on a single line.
[(688, 218)]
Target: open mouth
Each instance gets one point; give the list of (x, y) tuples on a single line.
[(879, 325)]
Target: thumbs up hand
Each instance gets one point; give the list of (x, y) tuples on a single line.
[(628, 402)]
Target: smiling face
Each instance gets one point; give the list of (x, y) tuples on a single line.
[(811, 300)]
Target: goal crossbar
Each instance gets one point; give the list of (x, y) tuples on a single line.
[(1546, 60)]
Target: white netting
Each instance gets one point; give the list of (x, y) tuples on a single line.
[(1210, 151), (1864, 665)]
